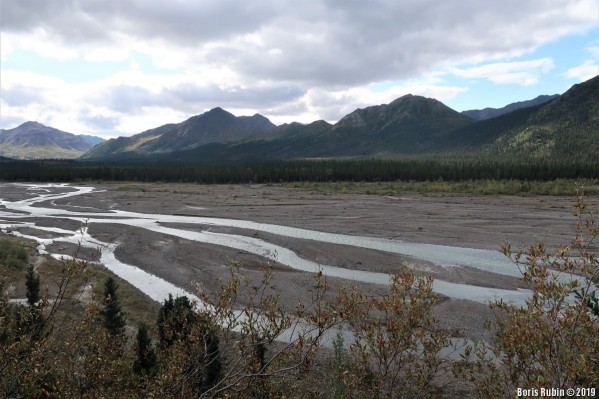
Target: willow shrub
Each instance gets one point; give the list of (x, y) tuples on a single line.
[(553, 340)]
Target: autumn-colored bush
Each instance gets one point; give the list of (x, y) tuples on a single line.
[(553, 340)]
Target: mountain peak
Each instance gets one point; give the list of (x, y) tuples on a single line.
[(216, 113), (32, 124), (34, 140), (214, 126), (218, 110)]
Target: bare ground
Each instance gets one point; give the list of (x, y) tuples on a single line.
[(468, 221)]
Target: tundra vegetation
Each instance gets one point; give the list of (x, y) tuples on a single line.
[(70, 341)]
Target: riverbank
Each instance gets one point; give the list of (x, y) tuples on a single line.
[(459, 221)]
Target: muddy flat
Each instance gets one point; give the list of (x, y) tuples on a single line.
[(180, 246)]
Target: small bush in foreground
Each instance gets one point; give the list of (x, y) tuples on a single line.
[(552, 341)]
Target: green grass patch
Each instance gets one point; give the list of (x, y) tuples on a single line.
[(13, 255), (86, 284)]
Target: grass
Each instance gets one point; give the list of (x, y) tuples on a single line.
[(559, 187), (137, 306), (14, 259)]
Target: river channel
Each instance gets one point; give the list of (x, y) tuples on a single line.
[(19, 214)]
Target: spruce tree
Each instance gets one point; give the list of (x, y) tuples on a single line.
[(33, 321), (32, 284), (145, 362), (175, 320), (112, 316), (213, 368)]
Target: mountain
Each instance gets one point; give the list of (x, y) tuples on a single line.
[(487, 113), (567, 126), (287, 141), (409, 124), (214, 126), (33, 140)]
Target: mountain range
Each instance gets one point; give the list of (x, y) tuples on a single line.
[(32, 140), (488, 113), (564, 125)]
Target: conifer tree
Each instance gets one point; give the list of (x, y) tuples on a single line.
[(145, 362), (213, 370), (32, 283), (112, 316), (175, 320), (33, 320)]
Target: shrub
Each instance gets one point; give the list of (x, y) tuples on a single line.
[(553, 340), (13, 255), (395, 353)]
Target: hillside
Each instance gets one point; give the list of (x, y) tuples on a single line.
[(408, 125), (214, 126), (567, 126), (32, 140)]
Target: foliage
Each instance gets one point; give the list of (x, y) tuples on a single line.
[(175, 320), (476, 187), (12, 255), (32, 283), (29, 351), (552, 341), (339, 368), (395, 353), (423, 168), (35, 319), (113, 319), (189, 355), (271, 352), (592, 300), (145, 361)]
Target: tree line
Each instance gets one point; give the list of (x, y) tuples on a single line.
[(322, 170)]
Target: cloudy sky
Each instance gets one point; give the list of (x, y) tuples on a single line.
[(118, 67)]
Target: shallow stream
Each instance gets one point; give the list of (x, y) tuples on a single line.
[(13, 213)]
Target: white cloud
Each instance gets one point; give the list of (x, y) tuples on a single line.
[(38, 41), (289, 60), (525, 73), (318, 42), (585, 71)]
